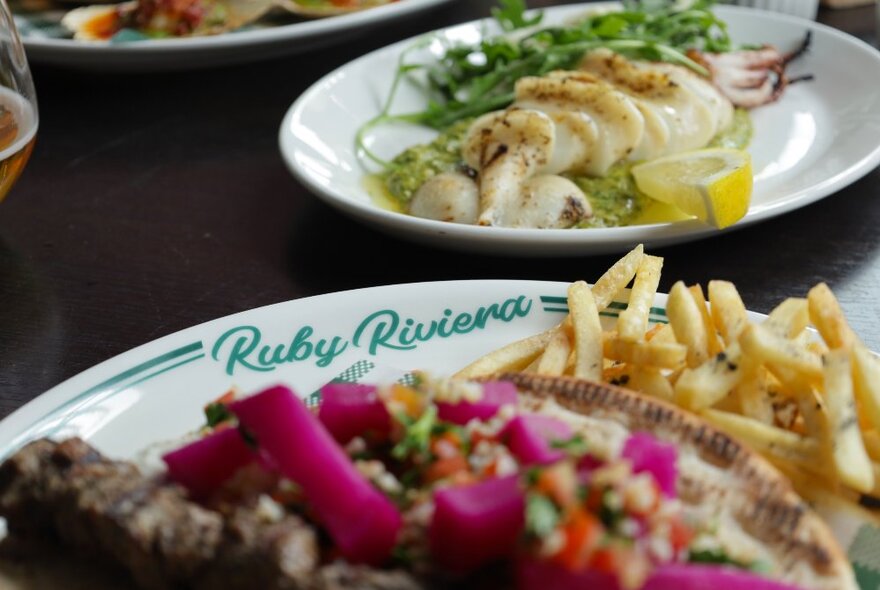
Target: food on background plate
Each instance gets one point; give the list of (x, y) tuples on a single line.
[(808, 400), (526, 482), (153, 19), (541, 127)]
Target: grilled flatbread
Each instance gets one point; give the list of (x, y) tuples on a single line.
[(742, 507), (758, 513)]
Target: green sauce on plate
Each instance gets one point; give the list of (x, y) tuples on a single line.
[(614, 197)]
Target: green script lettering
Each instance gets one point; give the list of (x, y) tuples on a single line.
[(384, 328), (246, 349)]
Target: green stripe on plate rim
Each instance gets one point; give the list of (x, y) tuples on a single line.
[(59, 417), (554, 303)]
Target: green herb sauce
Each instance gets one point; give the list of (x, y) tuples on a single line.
[(738, 135), (614, 197), (418, 164)]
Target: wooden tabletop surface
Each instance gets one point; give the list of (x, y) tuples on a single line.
[(154, 202)]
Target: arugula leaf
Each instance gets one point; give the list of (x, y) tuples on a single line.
[(511, 15), (470, 80)]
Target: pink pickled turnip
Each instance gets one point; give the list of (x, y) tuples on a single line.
[(495, 394), (532, 574), (682, 576), (541, 575), (476, 524), (204, 465), (647, 453), (530, 436), (363, 523), (349, 409)]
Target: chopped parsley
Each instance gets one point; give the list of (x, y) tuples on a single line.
[(217, 413), (719, 557), (418, 434), (576, 446), (542, 516)]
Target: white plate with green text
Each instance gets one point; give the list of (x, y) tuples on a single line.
[(156, 392), (818, 138)]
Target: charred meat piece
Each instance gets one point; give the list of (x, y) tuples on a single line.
[(342, 576), (261, 550), (108, 509)]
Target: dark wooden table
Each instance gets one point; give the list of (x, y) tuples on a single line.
[(155, 202)]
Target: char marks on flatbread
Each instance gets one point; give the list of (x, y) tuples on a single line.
[(755, 503)]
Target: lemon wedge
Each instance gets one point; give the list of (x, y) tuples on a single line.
[(714, 184)]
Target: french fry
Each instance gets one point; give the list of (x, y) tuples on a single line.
[(513, 357), (754, 395), (766, 346), (849, 454), (785, 413), (663, 333), (651, 382), (661, 355), (687, 323), (866, 381), (704, 386), (790, 381), (811, 406), (554, 359), (728, 311), (587, 332), (768, 440), (532, 367), (815, 488), (713, 344), (616, 373), (872, 444), (633, 321), (789, 318), (816, 422), (729, 403), (827, 316), (617, 277), (875, 468)]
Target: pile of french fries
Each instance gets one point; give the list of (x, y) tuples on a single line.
[(808, 400)]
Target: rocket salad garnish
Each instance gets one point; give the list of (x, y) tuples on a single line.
[(470, 80)]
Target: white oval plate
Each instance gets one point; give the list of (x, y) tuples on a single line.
[(215, 50), (156, 392), (822, 136)]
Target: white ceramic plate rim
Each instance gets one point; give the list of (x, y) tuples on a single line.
[(175, 351), (561, 241), (92, 395), (270, 35)]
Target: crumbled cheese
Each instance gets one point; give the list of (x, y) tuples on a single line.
[(552, 544), (506, 465), (375, 472), (449, 390), (629, 527), (611, 474), (640, 493), (660, 548), (268, 510), (356, 446)]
